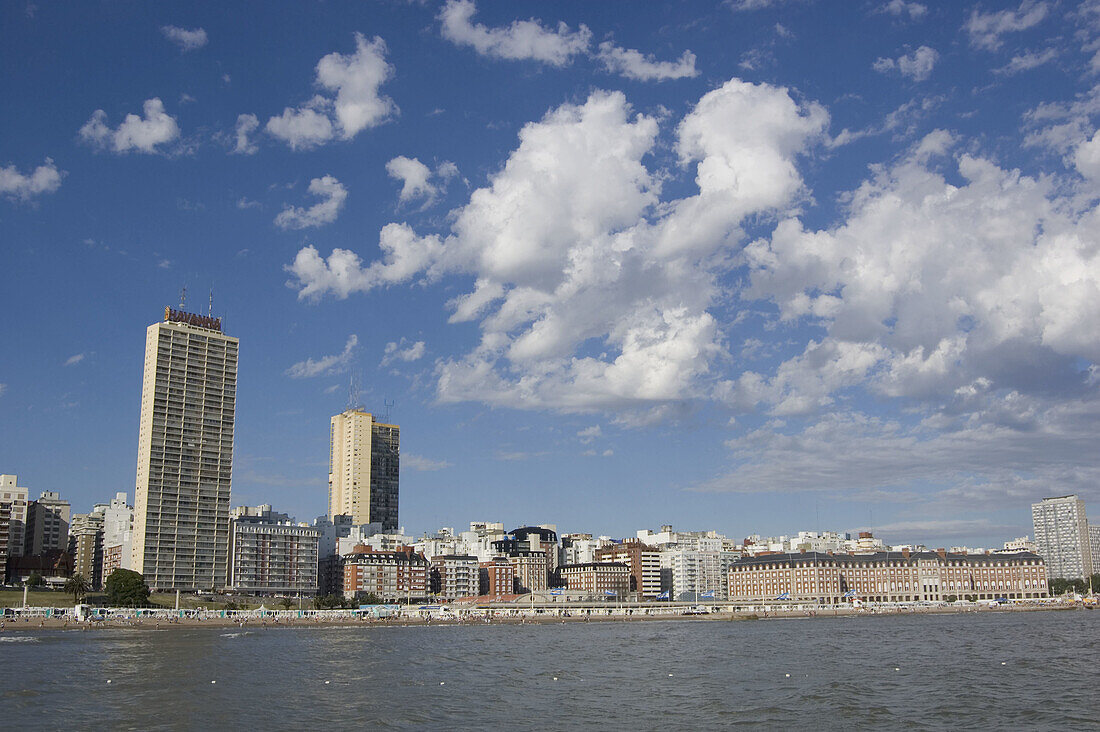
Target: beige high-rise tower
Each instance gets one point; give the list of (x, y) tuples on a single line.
[(364, 461), (185, 453)]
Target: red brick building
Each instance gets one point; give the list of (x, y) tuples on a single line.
[(596, 578), (391, 576), (498, 577)]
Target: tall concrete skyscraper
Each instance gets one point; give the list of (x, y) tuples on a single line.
[(1062, 536), (185, 453), (364, 461)]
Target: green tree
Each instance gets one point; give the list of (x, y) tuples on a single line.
[(287, 603), (35, 580), (1094, 580), (77, 586), (126, 588), (231, 605)]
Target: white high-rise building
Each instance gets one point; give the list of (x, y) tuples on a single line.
[(364, 462), (118, 536), (185, 453), (1094, 547), (1062, 536), (15, 498)]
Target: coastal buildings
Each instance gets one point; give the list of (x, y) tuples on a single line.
[(47, 528), (454, 576), (388, 575), (692, 574), (497, 577), (364, 466), (185, 453), (270, 554), (86, 544), (529, 568), (13, 520), (643, 561), (118, 524), (1062, 536), (886, 577), (599, 579), (1094, 547)]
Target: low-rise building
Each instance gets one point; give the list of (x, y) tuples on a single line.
[(598, 579), (454, 576), (496, 577), (644, 562), (389, 575), (272, 556), (886, 577)]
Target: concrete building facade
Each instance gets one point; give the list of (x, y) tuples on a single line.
[(181, 528), (86, 544), (454, 576), (389, 575), (644, 563), (271, 556), (364, 469), (1062, 536), (16, 499), (118, 525), (599, 579), (886, 577), (47, 528), (530, 571)]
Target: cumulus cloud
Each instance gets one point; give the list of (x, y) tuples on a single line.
[(246, 125), (522, 40), (325, 365), (916, 65), (590, 433), (416, 178), (187, 40), (986, 29), (899, 8), (401, 352), (333, 195), (590, 290), (45, 178), (914, 303), (74, 360), (142, 134), (634, 65), (350, 103)]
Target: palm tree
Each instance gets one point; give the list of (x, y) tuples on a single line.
[(77, 586)]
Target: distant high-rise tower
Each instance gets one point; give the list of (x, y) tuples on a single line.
[(185, 453), (364, 460), (1062, 536)]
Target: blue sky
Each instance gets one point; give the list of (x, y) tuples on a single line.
[(756, 266)]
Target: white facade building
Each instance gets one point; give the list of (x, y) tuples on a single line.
[(1062, 536), (185, 454)]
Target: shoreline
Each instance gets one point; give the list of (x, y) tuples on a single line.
[(9, 626)]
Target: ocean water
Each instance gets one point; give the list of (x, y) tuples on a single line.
[(970, 671)]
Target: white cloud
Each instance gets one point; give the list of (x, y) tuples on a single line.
[(74, 360), (3, 389), (912, 299), (414, 176), (590, 433), (522, 40), (400, 352), (333, 194), (986, 29), (634, 65), (25, 186), (246, 125), (422, 464), (244, 203), (326, 364), (1027, 61), (898, 8), (592, 292), (187, 40), (142, 134), (916, 65), (354, 102)]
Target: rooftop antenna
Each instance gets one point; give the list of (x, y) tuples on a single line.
[(210, 307), (387, 407), (353, 391), (183, 296)]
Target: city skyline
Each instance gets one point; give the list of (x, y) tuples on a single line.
[(709, 265)]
